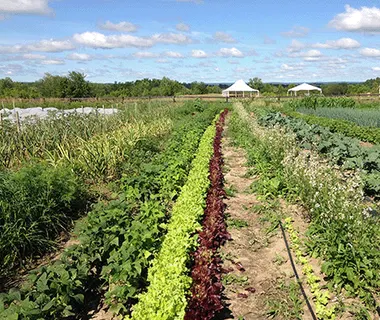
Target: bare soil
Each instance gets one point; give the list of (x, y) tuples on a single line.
[(251, 246)]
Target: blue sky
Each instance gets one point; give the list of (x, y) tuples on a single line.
[(191, 40)]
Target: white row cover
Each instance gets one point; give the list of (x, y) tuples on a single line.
[(238, 86), (304, 87), (43, 113)]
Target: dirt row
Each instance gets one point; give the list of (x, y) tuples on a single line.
[(260, 270)]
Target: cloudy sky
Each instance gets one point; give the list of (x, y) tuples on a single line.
[(191, 40)]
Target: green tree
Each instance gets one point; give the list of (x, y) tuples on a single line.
[(256, 83), (77, 86)]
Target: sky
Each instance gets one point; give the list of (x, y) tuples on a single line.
[(211, 41)]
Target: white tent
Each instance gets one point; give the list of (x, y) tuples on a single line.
[(239, 86), (304, 87)]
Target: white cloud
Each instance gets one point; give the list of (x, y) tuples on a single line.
[(287, 67), (230, 52), (375, 68), (296, 32), (357, 20), (223, 37), (171, 38), (182, 27), (370, 52), (296, 46), (99, 40), (343, 43), (41, 46), (145, 55), (79, 56), (123, 26), (51, 46), (25, 7), (311, 55), (173, 54), (198, 54), (31, 56), (53, 62)]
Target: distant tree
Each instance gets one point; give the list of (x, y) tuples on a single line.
[(198, 88), (335, 88), (53, 86), (256, 83), (77, 86)]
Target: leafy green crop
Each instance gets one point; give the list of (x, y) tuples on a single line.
[(117, 240), (37, 203), (344, 151), (350, 129), (168, 276)]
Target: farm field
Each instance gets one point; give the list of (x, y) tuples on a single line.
[(192, 210), (362, 117)]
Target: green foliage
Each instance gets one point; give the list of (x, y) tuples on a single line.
[(236, 223), (168, 276), (118, 240), (342, 231), (285, 301), (362, 117), (346, 127), (315, 102), (37, 203), (344, 151)]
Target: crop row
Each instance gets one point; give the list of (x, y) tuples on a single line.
[(343, 230), (39, 201), (344, 151), (168, 277), (350, 129), (58, 137), (314, 102), (117, 240), (361, 117), (206, 290)]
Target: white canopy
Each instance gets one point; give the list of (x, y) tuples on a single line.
[(238, 86), (304, 87)]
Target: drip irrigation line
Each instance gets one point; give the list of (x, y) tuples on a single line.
[(296, 273)]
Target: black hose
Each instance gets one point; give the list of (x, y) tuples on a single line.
[(296, 273)]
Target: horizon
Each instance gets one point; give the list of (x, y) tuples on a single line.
[(191, 40)]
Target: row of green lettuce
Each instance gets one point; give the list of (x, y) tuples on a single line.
[(117, 241), (343, 231), (344, 151), (169, 280)]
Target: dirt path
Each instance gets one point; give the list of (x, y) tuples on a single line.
[(263, 257)]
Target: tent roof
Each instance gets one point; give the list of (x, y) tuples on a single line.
[(240, 85), (305, 86)]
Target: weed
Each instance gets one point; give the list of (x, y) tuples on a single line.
[(237, 223), (231, 278), (230, 191), (285, 301)]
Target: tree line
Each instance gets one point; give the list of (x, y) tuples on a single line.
[(75, 85)]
